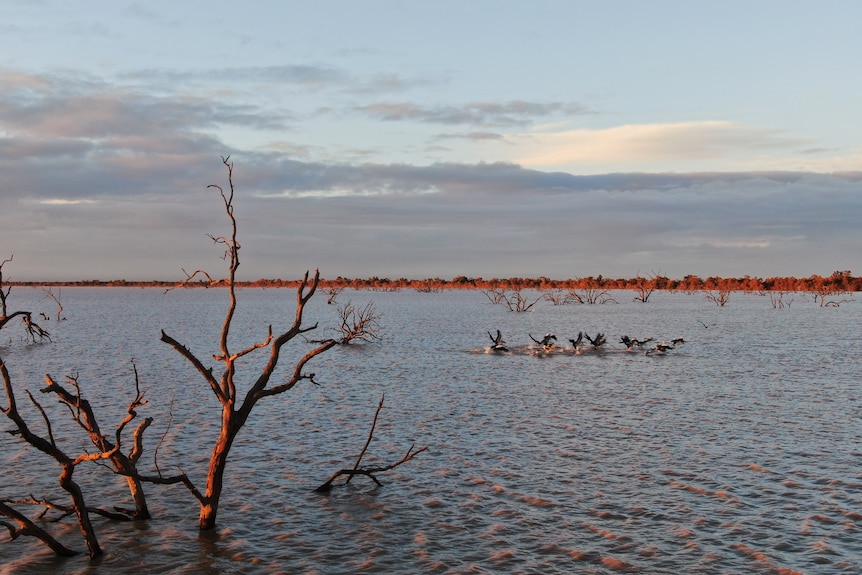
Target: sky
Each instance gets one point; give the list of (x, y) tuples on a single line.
[(493, 139)]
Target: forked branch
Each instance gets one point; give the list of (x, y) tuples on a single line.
[(368, 471)]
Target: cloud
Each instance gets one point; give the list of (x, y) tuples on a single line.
[(490, 220), (302, 77), (99, 114), (513, 113), (650, 144), (111, 181), (471, 136)]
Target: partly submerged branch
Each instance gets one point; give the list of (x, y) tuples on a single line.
[(26, 527), (368, 471)]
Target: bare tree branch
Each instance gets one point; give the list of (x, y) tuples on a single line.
[(27, 527), (369, 472), (235, 413)]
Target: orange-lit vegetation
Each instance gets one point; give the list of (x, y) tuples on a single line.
[(838, 282)]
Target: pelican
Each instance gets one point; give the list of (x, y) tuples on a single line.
[(577, 342), (499, 344), (628, 342), (597, 341), (546, 342), (660, 348), (677, 341)]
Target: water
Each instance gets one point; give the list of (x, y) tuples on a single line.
[(738, 452)]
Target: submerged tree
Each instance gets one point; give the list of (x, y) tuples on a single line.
[(358, 324), (514, 299), (109, 448), (33, 330), (236, 405), (719, 297), (370, 471), (646, 286)]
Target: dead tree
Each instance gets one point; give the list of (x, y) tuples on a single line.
[(236, 407), (776, 298), (591, 295), (368, 471), (645, 286), (514, 300), (358, 324), (123, 464), (33, 330), (825, 296), (333, 293), (719, 297), (49, 446), (495, 296), (558, 297), (57, 300)]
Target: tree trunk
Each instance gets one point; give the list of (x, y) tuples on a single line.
[(218, 462), (137, 491), (80, 509)]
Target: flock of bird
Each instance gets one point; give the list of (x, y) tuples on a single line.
[(584, 343)]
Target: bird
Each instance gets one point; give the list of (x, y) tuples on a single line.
[(597, 341), (546, 342), (630, 342), (660, 348), (677, 341), (705, 326), (577, 342), (498, 342)]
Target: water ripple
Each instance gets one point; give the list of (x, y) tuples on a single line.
[(734, 453)]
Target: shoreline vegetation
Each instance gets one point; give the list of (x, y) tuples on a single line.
[(839, 281)]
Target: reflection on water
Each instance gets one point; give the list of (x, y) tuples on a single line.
[(737, 452)]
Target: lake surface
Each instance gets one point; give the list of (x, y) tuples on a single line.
[(737, 452)]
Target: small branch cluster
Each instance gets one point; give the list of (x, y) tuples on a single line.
[(826, 297), (591, 295), (514, 300), (358, 324), (718, 297), (368, 471), (33, 330)]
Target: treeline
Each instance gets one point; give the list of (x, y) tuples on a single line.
[(839, 281)]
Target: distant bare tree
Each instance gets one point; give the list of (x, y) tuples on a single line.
[(33, 330), (591, 295), (358, 324), (57, 300), (558, 297), (826, 296), (776, 298), (645, 286), (495, 296), (514, 300), (718, 297), (333, 293)]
